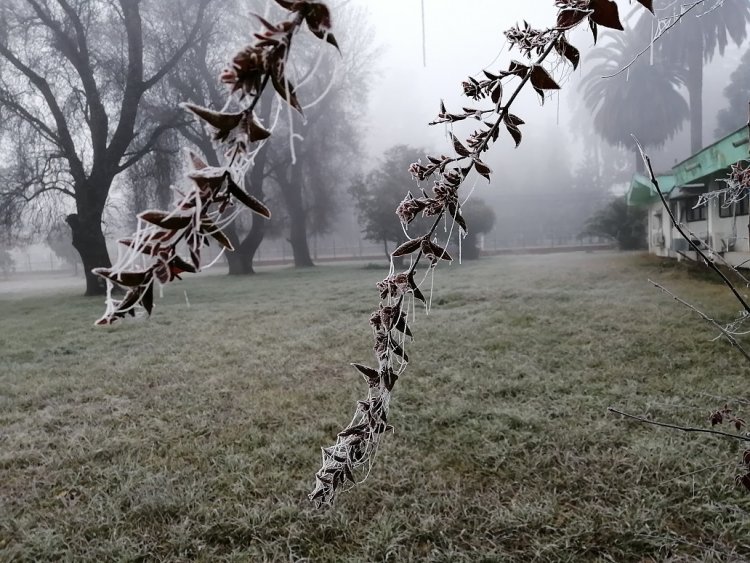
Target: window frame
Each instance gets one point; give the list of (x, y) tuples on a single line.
[(694, 214)]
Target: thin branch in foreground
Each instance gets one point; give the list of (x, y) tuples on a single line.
[(706, 318), (740, 437), (661, 32)]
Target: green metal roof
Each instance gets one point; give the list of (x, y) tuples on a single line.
[(710, 160), (718, 156), (642, 191)]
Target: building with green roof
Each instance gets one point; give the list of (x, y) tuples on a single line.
[(717, 225)]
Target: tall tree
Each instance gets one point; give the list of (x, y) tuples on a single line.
[(644, 101), (694, 42), (378, 194), (307, 183), (737, 93), (196, 81), (481, 218), (73, 77)]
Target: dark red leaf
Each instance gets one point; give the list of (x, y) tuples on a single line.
[(317, 16), (565, 49), (286, 4), (280, 84), (182, 265), (401, 325), (606, 14), (210, 178), (389, 378), (127, 279), (511, 124), (455, 211), (540, 92), (519, 69), (196, 161), (357, 429), (407, 248), (144, 247), (484, 170), (327, 36), (148, 298), (209, 228), (165, 221), (594, 30), (127, 305), (570, 17), (252, 202), (399, 351), (541, 79), (496, 94), (415, 290), (430, 248), (371, 376), (458, 147), (255, 131), (348, 473), (648, 4), (222, 122), (265, 22)]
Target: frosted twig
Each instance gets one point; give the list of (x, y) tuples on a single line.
[(663, 26), (740, 437), (706, 318)]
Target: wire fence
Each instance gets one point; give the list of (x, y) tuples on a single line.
[(279, 251)]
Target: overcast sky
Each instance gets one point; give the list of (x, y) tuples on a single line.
[(463, 38)]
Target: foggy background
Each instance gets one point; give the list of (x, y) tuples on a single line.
[(542, 193)]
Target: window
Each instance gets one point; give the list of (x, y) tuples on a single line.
[(725, 209), (693, 213), (741, 207)]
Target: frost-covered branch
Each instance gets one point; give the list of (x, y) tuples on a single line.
[(352, 454), (154, 254)]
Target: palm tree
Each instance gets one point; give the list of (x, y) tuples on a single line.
[(736, 92), (644, 101), (694, 42)]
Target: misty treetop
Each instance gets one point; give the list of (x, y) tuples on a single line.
[(75, 100), (201, 212)]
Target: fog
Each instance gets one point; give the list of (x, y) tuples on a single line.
[(541, 192)]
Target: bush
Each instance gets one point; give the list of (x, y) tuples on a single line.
[(620, 222)]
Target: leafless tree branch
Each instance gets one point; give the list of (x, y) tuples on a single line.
[(740, 437)]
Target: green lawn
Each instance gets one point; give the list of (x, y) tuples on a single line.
[(195, 435)]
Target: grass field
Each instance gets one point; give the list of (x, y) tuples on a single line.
[(195, 435)]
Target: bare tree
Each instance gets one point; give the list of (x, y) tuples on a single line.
[(307, 180), (74, 74)]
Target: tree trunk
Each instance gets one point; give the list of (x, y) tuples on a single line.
[(292, 191), (88, 240), (470, 248), (241, 260), (298, 236), (695, 93)]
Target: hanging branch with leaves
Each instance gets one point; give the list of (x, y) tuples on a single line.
[(153, 253), (357, 444)]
